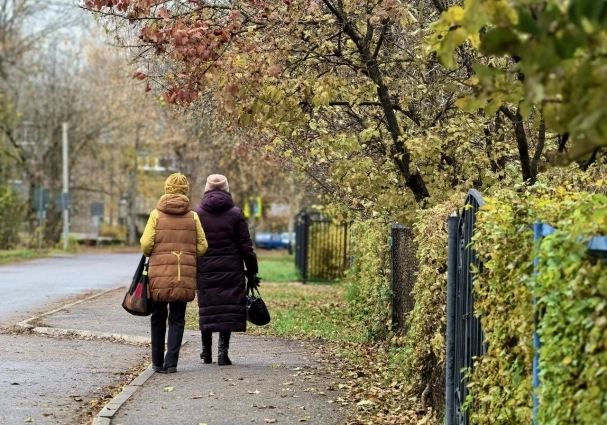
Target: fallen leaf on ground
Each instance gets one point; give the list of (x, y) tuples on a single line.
[(364, 403), (168, 389)]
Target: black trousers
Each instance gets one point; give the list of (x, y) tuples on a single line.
[(175, 312)]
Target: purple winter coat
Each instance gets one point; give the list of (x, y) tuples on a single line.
[(220, 277)]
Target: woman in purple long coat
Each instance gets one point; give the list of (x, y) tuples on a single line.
[(220, 278)]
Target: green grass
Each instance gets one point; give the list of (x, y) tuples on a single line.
[(300, 311), (13, 256), (307, 311), (303, 311), (276, 267)]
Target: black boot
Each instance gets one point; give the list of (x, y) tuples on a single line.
[(207, 343), (223, 345)]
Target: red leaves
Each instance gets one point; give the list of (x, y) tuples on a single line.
[(139, 75), (180, 95), (232, 89), (152, 35), (234, 15), (313, 8), (275, 70), (164, 14)]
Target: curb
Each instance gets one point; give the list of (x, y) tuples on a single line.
[(104, 417), (78, 332), (133, 339), (25, 323), (109, 410)]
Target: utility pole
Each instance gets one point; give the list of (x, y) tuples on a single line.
[(132, 229), (66, 212)]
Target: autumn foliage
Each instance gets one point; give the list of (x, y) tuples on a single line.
[(346, 90)]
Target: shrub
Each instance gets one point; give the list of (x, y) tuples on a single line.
[(424, 344), (327, 257), (572, 361), (368, 283), (112, 231), (13, 209)]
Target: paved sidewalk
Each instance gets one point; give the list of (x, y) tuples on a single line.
[(272, 380)]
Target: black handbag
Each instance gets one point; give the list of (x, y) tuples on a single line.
[(137, 300), (257, 312)]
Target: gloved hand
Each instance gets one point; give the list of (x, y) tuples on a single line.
[(252, 281)]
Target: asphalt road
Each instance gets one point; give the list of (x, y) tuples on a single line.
[(55, 380), (30, 286)]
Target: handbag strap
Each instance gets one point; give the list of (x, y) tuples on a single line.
[(252, 292)]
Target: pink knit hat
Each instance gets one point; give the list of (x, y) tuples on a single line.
[(217, 181)]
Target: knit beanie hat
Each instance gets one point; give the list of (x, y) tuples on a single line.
[(176, 184), (217, 181)]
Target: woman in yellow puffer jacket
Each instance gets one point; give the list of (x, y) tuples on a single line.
[(173, 238)]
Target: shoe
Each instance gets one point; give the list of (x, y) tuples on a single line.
[(206, 357), (207, 343), (223, 346), (157, 368), (169, 369)]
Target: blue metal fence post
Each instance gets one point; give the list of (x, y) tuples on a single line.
[(539, 231), (537, 236), (452, 245)]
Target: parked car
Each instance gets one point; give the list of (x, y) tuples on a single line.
[(287, 238), (269, 241)]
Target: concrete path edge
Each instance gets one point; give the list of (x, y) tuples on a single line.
[(104, 417)]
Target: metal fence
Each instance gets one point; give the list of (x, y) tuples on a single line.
[(321, 247), (403, 274), (464, 337)]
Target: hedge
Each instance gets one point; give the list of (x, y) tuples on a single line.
[(571, 289)]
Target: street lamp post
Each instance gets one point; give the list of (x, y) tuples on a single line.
[(66, 216)]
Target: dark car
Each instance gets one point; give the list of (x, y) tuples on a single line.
[(269, 241)]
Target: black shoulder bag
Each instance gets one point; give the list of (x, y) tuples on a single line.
[(257, 312), (137, 300)]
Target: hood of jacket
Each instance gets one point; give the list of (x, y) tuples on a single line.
[(174, 204), (216, 201)]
